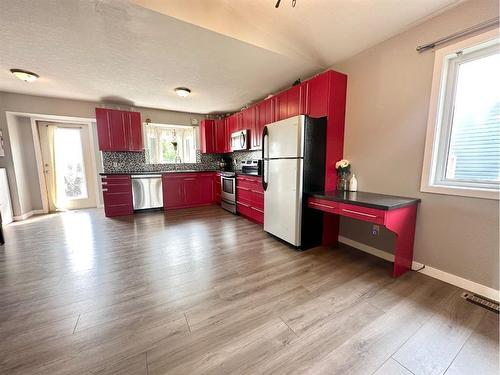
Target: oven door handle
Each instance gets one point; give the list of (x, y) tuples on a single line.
[(265, 134)]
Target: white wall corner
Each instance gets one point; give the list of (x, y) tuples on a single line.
[(449, 278)]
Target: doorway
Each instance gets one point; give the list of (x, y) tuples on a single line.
[(67, 165)]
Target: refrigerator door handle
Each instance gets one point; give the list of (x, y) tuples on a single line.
[(265, 135)]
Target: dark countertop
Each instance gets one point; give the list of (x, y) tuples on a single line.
[(158, 172), (362, 198)]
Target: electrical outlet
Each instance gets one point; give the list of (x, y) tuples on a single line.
[(375, 230)]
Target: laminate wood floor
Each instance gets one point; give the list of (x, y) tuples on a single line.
[(200, 291)]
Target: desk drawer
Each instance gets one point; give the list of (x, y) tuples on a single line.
[(371, 215), (323, 205)]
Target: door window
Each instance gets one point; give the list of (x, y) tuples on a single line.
[(69, 166)]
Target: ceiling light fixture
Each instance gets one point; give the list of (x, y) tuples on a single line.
[(294, 2), (182, 91), (24, 75)]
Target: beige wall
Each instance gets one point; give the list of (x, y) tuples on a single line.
[(25, 192), (389, 87)]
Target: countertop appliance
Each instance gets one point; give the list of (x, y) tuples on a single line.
[(251, 167), (147, 191), (228, 191), (239, 140), (293, 153)]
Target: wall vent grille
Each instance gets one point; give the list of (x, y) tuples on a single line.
[(481, 301)]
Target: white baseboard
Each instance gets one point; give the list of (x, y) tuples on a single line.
[(28, 215), (449, 278)]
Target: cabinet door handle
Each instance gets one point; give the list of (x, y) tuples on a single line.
[(257, 192), (321, 205), (359, 213), (189, 179), (104, 189), (243, 204), (242, 188), (256, 209)]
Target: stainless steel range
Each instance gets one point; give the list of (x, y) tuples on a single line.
[(228, 191)]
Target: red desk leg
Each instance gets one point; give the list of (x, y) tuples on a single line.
[(331, 224), (402, 221)]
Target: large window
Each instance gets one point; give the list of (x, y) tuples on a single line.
[(463, 136), (170, 144)]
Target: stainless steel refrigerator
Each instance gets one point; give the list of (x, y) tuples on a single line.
[(293, 153)]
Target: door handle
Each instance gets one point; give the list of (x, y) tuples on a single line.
[(359, 213), (265, 133), (257, 192), (242, 140), (321, 205)]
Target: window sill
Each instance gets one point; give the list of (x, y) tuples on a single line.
[(462, 191)]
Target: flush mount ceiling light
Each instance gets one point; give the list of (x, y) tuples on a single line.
[(182, 91), (24, 75)]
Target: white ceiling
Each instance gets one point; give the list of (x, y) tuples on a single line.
[(228, 52), (320, 31)]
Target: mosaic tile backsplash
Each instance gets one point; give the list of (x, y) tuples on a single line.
[(117, 162)]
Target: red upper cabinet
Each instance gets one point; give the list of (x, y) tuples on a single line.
[(207, 136), (281, 106), (249, 123), (238, 121), (134, 130), (296, 100), (221, 137), (264, 114), (103, 121), (229, 125), (214, 138), (318, 95), (291, 102), (119, 130)]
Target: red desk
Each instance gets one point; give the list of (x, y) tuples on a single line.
[(398, 214)]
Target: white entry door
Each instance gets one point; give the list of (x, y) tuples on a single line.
[(68, 168)]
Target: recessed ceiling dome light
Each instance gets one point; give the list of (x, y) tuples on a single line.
[(182, 91), (24, 75)]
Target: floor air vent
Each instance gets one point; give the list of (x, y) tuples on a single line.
[(481, 301)]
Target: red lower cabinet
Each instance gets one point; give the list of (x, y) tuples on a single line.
[(250, 198), (181, 190), (117, 195), (217, 188)]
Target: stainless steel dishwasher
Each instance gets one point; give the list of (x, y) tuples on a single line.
[(147, 191)]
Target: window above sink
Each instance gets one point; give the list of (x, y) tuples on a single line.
[(170, 144)]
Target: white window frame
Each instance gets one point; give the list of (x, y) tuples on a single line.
[(195, 139), (439, 124)]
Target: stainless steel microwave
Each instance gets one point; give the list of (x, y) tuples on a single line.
[(239, 140)]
